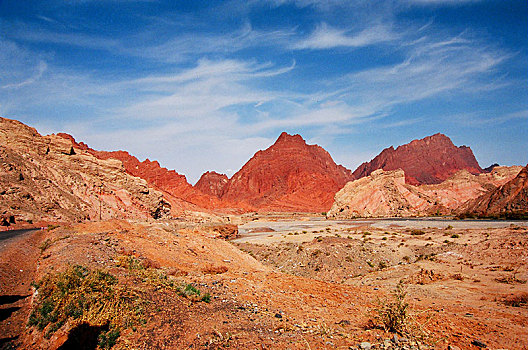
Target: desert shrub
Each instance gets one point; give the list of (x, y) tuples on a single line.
[(457, 276), (88, 296), (129, 262), (189, 291), (517, 300), (45, 245), (382, 265), (416, 232), (206, 298), (454, 235), (108, 339), (392, 315), (510, 279)]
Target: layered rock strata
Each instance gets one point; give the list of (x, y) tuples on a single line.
[(430, 160), (288, 176), (49, 178)]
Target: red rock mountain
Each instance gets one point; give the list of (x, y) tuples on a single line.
[(512, 197), (430, 160), (288, 176), (212, 183), (181, 194)]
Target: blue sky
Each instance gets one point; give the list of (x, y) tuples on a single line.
[(203, 85)]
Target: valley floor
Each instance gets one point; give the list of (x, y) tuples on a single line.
[(288, 283)]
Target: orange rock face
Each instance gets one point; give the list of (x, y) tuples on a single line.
[(212, 183), (512, 197), (288, 176), (430, 160), (176, 189)]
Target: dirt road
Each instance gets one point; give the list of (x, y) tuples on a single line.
[(19, 252)]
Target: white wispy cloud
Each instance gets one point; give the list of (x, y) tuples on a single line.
[(430, 69), (327, 37), (42, 66), (212, 109), (482, 118)]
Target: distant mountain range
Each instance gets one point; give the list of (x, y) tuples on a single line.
[(289, 176)]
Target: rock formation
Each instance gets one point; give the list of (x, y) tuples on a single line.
[(386, 194), (463, 186), (212, 183), (288, 176), (381, 194), (509, 199), (490, 168), (50, 178), (430, 160), (181, 195)]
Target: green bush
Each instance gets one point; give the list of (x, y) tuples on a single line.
[(81, 295)]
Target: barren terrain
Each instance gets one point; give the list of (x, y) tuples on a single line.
[(290, 289)]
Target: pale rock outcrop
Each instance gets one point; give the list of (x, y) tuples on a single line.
[(381, 194), (508, 199), (47, 178), (386, 194), (464, 186)]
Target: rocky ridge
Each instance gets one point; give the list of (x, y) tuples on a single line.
[(386, 194), (288, 176), (507, 199), (212, 183), (430, 160), (181, 195), (49, 178)]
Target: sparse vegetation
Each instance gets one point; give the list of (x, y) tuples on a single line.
[(454, 235), (517, 300), (392, 315), (510, 279), (45, 245), (88, 296), (416, 232)]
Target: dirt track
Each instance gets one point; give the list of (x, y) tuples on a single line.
[(18, 263)]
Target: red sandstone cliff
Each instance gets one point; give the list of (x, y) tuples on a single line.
[(288, 176), (212, 183), (430, 160)]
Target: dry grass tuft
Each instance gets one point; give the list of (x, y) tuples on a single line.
[(392, 315)]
